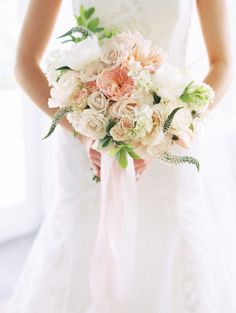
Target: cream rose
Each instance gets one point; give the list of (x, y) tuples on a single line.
[(113, 53), (124, 106), (83, 53), (92, 124), (63, 90), (98, 102)]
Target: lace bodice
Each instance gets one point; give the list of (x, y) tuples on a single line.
[(164, 21)]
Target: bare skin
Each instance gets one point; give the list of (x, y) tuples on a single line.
[(40, 19)]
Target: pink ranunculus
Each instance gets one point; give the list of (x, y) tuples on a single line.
[(91, 86), (115, 83), (146, 53), (80, 98)]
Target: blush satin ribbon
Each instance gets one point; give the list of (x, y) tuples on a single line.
[(113, 259)]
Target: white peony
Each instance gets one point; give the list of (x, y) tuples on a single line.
[(91, 71), (143, 122), (92, 124), (83, 53), (54, 60), (63, 90), (170, 82)]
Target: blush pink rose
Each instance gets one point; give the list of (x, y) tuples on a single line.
[(185, 139), (115, 83)]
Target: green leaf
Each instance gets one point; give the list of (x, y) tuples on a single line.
[(177, 160), (157, 99), (57, 117), (170, 118), (82, 10), (78, 29), (81, 21), (63, 68), (99, 29), (105, 141), (96, 178), (122, 158), (187, 98), (110, 125), (75, 133), (88, 13), (93, 24), (191, 126), (114, 151), (134, 155)]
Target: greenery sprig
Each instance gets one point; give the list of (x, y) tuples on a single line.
[(57, 117), (177, 160), (87, 25)]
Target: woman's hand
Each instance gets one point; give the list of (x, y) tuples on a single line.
[(140, 166), (93, 156)]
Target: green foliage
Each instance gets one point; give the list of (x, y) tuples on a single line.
[(105, 141), (57, 117), (195, 95), (177, 160), (63, 68), (121, 152), (170, 118), (93, 24), (96, 178), (156, 98), (87, 25)]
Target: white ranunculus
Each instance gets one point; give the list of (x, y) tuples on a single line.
[(92, 124), (83, 53), (98, 102), (143, 122), (63, 90), (170, 82)]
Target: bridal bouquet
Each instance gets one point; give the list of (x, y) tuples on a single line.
[(119, 89)]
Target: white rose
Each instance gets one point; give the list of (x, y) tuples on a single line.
[(92, 124), (118, 133), (170, 82), (83, 53), (98, 102), (63, 90), (143, 122)]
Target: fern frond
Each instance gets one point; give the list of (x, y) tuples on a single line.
[(177, 160)]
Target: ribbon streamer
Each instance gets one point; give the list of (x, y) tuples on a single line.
[(113, 260)]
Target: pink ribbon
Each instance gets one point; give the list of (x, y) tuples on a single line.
[(113, 259)]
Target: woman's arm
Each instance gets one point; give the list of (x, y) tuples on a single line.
[(214, 22), (37, 28)]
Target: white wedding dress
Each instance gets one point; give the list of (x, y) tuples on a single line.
[(182, 263)]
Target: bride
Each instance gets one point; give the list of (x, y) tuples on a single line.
[(181, 263)]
